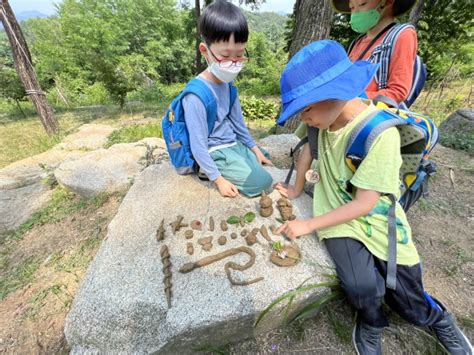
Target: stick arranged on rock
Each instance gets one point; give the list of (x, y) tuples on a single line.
[(165, 259), (222, 240), (264, 233), (230, 265), (224, 226), (178, 224), (266, 208), (244, 232), (160, 233), (211, 224), (286, 209), (189, 234), (233, 235)]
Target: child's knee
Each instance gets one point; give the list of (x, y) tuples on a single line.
[(361, 293), (257, 182)]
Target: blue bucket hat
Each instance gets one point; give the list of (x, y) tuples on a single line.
[(321, 71)]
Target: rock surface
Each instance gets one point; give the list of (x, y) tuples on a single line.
[(88, 137), (121, 305), (22, 192), (279, 148), (108, 170)]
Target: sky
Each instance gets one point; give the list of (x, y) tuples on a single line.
[(47, 6)]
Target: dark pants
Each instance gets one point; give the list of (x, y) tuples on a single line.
[(363, 276)]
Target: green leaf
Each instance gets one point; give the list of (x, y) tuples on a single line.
[(233, 220), (289, 295), (249, 217), (277, 246)]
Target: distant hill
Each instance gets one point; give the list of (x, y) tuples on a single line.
[(25, 15), (270, 23)]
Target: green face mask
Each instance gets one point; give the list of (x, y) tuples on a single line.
[(363, 21)]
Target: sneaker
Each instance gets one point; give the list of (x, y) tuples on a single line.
[(367, 339), (450, 336)]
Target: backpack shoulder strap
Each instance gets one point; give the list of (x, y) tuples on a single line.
[(386, 50), (232, 95), (312, 138), (202, 91), (366, 132), (353, 43)]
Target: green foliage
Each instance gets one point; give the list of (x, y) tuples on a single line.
[(309, 310), (459, 140), (10, 85), (444, 30), (259, 109), (270, 24), (261, 75), (129, 134)]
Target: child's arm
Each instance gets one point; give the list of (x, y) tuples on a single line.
[(400, 72), (364, 201), (196, 122), (302, 166), (238, 125)]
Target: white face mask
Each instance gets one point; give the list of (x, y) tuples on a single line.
[(225, 75)]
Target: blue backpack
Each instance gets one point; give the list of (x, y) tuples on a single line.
[(175, 132), (383, 53)]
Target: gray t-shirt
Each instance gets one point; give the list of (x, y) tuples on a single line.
[(228, 128)]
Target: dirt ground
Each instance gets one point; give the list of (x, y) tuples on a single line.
[(45, 265)]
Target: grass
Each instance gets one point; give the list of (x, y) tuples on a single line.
[(21, 276), (134, 133), (79, 260), (63, 203), (310, 309)]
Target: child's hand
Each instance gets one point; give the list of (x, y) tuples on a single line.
[(262, 159), (294, 229), (288, 191), (226, 188)]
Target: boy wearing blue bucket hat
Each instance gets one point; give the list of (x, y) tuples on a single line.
[(350, 208)]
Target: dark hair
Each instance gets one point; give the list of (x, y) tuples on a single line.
[(220, 20)]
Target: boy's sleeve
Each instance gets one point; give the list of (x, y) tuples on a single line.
[(400, 72), (380, 169), (238, 125), (196, 121)]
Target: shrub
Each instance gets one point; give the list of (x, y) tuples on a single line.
[(258, 109)]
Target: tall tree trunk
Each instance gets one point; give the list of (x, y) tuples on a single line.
[(416, 12), (25, 70), (197, 9), (312, 22)]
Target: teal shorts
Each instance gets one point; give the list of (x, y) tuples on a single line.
[(240, 166)]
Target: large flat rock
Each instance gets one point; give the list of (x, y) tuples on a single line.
[(121, 307), (22, 192), (279, 147), (108, 170)]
